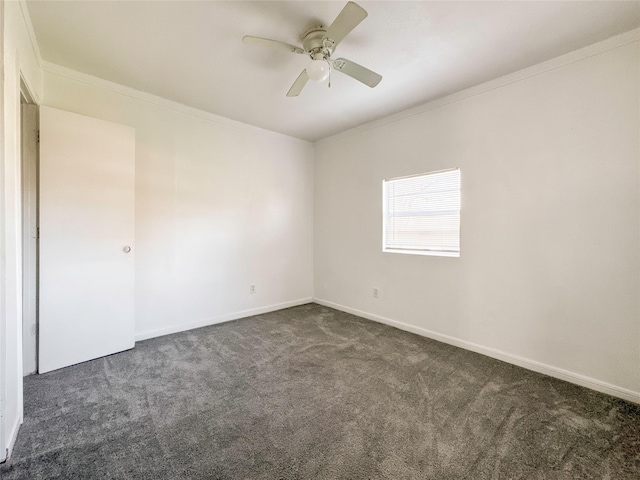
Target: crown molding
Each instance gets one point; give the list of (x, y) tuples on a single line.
[(547, 66), (74, 75), (558, 62), (35, 48), (32, 34)]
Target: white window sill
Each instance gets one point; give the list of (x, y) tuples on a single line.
[(431, 253)]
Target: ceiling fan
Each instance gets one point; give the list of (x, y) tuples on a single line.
[(319, 42)]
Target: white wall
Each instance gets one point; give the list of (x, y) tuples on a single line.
[(219, 206), (20, 58), (549, 274)]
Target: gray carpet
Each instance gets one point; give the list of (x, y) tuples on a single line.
[(313, 393)]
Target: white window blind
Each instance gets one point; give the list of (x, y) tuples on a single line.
[(421, 214)]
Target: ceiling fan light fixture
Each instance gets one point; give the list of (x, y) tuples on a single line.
[(318, 70)]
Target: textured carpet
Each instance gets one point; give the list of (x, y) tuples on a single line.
[(313, 393)]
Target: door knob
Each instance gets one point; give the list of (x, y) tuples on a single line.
[(126, 249)]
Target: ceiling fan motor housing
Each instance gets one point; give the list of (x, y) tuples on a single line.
[(315, 42)]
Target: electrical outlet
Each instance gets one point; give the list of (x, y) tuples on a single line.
[(376, 292), (252, 288)]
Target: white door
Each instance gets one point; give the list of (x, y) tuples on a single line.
[(86, 238)]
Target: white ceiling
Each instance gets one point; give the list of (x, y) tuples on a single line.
[(191, 52)]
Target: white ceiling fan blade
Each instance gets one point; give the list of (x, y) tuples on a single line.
[(266, 42), (348, 19), (299, 84), (358, 72)]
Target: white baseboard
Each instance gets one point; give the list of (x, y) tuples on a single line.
[(539, 367), (13, 436), (224, 318)]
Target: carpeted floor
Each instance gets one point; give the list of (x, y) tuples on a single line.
[(313, 393)]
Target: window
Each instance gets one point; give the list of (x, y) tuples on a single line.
[(421, 214)]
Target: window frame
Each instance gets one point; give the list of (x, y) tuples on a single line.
[(418, 251)]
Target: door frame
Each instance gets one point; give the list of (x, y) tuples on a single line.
[(11, 247), (29, 202)]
